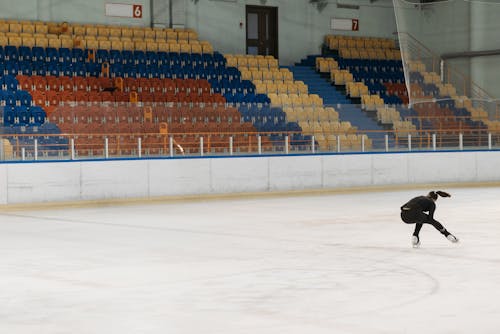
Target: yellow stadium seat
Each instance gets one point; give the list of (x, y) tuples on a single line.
[(142, 46), (28, 41), (287, 75), (252, 62), (149, 33), (163, 47), (207, 48), (172, 35), (263, 63), (54, 43), (116, 45), (196, 48), (67, 43), (128, 44), (103, 31), (15, 27), (105, 45), (42, 42), (138, 33), (28, 28), (77, 30), (174, 47), (160, 34), (92, 44), (90, 31), (127, 32), (272, 88), (242, 62), (115, 32), (182, 35), (4, 27), (185, 48), (273, 63), (267, 75)]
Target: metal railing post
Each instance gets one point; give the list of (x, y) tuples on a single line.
[(171, 146), (72, 148), (201, 146), (286, 144), (259, 144), (106, 148), (433, 141), (36, 149), (231, 145), (139, 146), (461, 141)]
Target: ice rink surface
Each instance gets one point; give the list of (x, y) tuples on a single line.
[(334, 263)]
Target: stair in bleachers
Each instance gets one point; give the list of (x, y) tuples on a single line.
[(331, 97)]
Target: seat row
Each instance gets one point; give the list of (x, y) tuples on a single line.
[(370, 53), (98, 84), (335, 42), (252, 62), (120, 44), (23, 115)]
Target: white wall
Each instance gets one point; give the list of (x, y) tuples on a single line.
[(301, 27), (122, 179), (88, 11)]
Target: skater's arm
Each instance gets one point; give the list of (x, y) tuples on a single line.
[(432, 208)]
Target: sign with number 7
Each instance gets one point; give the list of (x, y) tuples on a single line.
[(355, 24)]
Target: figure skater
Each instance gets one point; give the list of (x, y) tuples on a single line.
[(414, 212)]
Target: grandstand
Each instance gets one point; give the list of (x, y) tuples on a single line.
[(99, 90)]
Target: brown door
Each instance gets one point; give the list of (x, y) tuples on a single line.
[(262, 30)]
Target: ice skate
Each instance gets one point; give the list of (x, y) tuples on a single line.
[(415, 241), (452, 238)]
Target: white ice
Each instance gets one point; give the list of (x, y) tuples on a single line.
[(335, 263)]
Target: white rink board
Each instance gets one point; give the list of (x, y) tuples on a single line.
[(233, 175), (179, 177), (143, 178), (3, 184), (43, 182), (114, 179)]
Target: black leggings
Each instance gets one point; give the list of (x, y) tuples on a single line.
[(419, 218)]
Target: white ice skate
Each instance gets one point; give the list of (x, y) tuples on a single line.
[(415, 241), (452, 238)]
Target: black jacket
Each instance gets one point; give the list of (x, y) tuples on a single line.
[(422, 204)]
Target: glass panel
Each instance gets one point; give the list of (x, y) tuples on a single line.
[(252, 26), (253, 50)]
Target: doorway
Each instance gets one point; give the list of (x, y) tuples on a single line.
[(262, 30)]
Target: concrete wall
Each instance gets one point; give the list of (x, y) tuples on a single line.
[(88, 11), (122, 179), (301, 27)]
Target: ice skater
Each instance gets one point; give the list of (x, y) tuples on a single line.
[(414, 212)]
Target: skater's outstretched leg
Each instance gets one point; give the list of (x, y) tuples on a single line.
[(443, 230)]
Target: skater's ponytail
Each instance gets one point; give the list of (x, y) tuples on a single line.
[(434, 194)]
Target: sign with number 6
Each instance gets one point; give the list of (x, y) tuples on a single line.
[(137, 11)]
